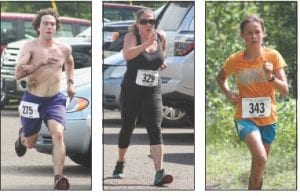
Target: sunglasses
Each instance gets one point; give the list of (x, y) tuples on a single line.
[(146, 21)]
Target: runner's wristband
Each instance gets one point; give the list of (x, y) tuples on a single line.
[(272, 78)]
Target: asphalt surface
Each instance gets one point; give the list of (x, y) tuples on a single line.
[(34, 170), (139, 170)]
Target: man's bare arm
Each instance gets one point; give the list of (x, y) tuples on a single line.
[(23, 68), (69, 69)]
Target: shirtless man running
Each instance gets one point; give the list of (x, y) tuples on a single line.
[(41, 61)]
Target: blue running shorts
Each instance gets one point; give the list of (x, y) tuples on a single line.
[(33, 110), (246, 126)]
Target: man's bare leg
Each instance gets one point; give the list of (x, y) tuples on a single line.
[(59, 149)]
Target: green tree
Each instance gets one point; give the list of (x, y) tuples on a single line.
[(77, 9)]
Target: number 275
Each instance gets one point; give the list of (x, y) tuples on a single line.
[(27, 110)]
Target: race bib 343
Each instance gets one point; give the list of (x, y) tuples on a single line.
[(256, 107)]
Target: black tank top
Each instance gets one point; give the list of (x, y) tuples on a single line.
[(145, 60)]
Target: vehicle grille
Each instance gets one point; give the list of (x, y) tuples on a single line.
[(47, 139), (9, 61), (109, 99)]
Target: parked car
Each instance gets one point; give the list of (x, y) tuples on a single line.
[(177, 79), (119, 12), (12, 89), (113, 36), (17, 26), (77, 134)]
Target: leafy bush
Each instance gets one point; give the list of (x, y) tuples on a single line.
[(220, 128)]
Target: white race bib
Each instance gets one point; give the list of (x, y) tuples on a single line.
[(147, 77), (256, 107), (29, 110)]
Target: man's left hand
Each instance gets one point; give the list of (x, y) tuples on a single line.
[(71, 91)]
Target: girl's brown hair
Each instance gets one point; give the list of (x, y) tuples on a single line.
[(252, 18)]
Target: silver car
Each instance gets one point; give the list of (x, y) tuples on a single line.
[(77, 134), (179, 79)]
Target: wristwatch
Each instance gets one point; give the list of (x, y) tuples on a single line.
[(272, 79)]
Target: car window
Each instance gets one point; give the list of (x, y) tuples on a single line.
[(83, 27), (176, 11), (119, 14), (192, 25), (65, 30), (8, 31), (29, 30)]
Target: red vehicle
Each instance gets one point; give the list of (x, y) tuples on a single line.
[(16, 26)]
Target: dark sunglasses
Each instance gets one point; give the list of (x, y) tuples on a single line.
[(146, 21)]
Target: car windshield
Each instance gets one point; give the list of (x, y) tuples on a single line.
[(176, 11), (85, 33), (120, 14)]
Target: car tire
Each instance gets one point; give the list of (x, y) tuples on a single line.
[(82, 159), (174, 117)]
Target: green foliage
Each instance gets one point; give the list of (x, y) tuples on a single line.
[(150, 4), (75, 9), (220, 128), (286, 134)]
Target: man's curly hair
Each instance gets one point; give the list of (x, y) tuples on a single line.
[(37, 20)]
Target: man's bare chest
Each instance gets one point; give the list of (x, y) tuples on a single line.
[(42, 55)]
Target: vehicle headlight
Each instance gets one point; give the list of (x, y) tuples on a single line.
[(118, 72), (77, 104)]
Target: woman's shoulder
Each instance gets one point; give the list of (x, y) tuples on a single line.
[(162, 34), (237, 55), (270, 52), (130, 34)]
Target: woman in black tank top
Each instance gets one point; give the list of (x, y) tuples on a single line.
[(144, 50)]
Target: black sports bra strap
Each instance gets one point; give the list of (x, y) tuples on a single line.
[(138, 38), (139, 42)]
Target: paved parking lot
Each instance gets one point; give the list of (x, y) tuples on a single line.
[(139, 169), (34, 171)]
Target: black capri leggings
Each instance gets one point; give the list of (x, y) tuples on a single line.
[(147, 101)]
